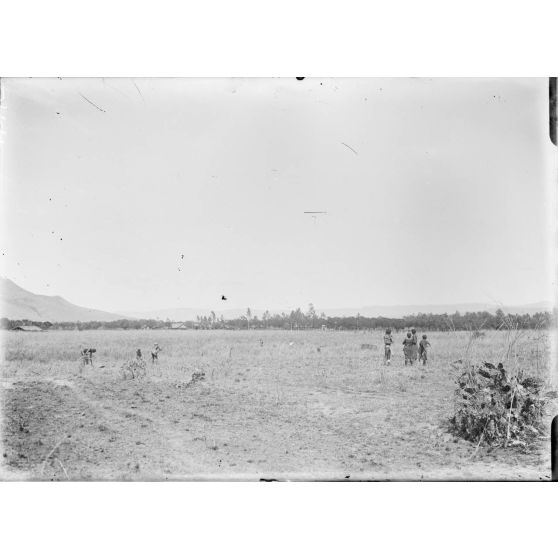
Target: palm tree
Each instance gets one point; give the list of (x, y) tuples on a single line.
[(311, 313), (265, 317), (248, 316)]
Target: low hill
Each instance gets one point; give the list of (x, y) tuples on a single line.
[(18, 304)]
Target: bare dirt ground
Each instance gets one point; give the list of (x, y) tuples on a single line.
[(282, 409)]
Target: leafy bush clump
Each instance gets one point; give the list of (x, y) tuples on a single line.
[(197, 376), (133, 369), (499, 408)]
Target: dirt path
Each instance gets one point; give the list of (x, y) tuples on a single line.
[(90, 435)]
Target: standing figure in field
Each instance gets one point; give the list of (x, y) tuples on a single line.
[(414, 346), (155, 352), (87, 356), (138, 354), (408, 349), (423, 349), (388, 340)]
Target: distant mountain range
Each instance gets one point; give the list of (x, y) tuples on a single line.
[(18, 303)]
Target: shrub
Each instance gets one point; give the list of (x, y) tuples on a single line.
[(499, 408), (197, 376), (133, 368)]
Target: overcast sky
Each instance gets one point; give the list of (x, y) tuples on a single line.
[(123, 194)]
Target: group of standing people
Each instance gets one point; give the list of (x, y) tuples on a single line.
[(412, 348)]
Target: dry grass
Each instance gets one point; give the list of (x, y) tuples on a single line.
[(283, 409)]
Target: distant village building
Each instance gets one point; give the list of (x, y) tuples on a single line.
[(178, 325), (27, 328)]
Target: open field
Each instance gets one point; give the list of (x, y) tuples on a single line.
[(283, 409)]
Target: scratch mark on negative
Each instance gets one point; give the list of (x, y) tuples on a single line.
[(349, 148), (92, 103), (139, 90)]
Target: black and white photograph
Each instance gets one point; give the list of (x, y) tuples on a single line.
[(277, 279)]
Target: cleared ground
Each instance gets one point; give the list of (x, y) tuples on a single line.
[(281, 409)]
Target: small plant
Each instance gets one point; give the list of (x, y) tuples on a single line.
[(382, 377), (22, 424), (402, 386), (133, 369), (197, 376)]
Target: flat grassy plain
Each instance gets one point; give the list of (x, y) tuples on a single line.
[(295, 405)]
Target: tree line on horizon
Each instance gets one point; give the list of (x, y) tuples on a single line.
[(299, 320)]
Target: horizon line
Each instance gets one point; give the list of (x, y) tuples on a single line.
[(548, 303), (338, 307)]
